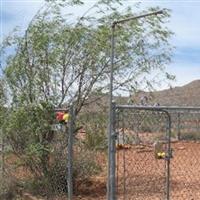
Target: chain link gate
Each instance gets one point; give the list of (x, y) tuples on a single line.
[(142, 153), (154, 153)]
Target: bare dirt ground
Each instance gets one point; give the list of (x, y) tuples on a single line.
[(140, 176), (145, 177)]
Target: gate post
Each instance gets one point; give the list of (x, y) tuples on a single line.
[(70, 153), (179, 127), (169, 152), (111, 157)]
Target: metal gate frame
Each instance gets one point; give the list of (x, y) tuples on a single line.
[(112, 147)]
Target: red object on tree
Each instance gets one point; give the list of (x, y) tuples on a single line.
[(59, 116)]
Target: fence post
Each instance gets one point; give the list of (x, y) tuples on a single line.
[(169, 152), (179, 127), (70, 153), (112, 152)]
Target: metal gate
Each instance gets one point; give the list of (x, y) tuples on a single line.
[(141, 153)]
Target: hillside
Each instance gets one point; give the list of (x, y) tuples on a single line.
[(187, 95)]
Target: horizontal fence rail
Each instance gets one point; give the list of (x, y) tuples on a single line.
[(169, 108)]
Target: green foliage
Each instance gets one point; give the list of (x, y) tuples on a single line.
[(85, 165), (96, 141), (59, 61), (53, 184), (37, 186), (95, 126), (193, 136), (28, 130)]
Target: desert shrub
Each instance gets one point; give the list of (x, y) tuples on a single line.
[(85, 165), (37, 186), (96, 141), (190, 136), (28, 132), (8, 188), (95, 127), (55, 183)]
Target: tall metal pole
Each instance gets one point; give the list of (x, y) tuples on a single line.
[(168, 157), (179, 127), (70, 153), (111, 169), (111, 195)]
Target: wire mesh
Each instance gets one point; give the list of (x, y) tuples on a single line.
[(34, 157), (90, 157), (140, 175), (185, 165)]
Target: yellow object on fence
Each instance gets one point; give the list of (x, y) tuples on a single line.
[(66, 117), (161, 155)]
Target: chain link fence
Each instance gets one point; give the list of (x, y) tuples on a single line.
[(90, 156), (157, 157), (72, 164), (157, 153), (185, 165), (35, 156)]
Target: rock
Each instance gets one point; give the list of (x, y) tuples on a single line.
[(28, 196), (181, 148)]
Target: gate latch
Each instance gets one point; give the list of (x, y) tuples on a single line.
[(114, 135), (169, 155), (165, 155), (161, 152)]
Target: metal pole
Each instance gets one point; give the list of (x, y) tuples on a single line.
[(179, 127), (112, 156), (168, 158), (138, 17), (177, 109), (111, 172), (110, 195), (70, 153)]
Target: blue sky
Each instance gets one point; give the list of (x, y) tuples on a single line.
[(185, 22)]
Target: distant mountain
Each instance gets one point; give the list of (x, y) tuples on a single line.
[(187, 95)]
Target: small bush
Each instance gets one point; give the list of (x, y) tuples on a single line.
[(95, 126), (85, 165), (190, 136)]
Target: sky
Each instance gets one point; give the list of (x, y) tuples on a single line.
[(184, 22)]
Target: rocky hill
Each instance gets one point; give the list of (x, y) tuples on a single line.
[(187, 95)]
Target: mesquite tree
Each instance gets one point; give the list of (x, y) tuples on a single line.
[(62, 58)]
